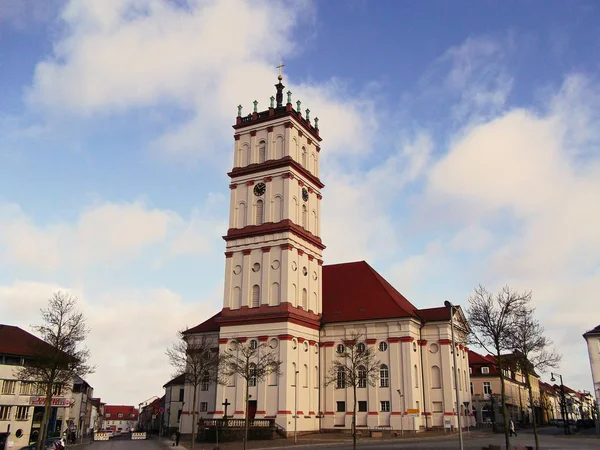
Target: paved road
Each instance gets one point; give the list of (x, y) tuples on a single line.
[(125, 443)]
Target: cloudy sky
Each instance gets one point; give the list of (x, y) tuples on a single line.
[(461, 146)]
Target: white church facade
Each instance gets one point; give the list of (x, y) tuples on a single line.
[(278, 291)]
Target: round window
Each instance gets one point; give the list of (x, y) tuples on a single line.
[(414, 346), (237, 270), (361, 347), (294, 344), (340, 348), (314, 275), (433, 348), (305, 346), (304, 271), (19, 433), (382, 346), (275, 265), (294, 265), (256, 267), (273, 343)]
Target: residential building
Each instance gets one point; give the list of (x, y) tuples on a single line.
[(97, 415), (592, 338), (22, 401), (279, 292), (151, 416), (120, 418), (486, 390), (174, 402), (81, 408)]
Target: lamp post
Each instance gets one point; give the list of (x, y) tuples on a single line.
[(447, 304), (401, 412), (563, 406), (296, 405)]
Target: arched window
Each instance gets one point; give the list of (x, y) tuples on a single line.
[(255, 296), (275, 294), (277, 209), (262, 151), (316, 377), (244, 155), (313, 163), (459, 381), (252, 377), (362, 377), (241, 215), (294, 149), (260, 212), (465, 376), (236, 300), (304, 299), (315, 306), (294, 211), (205, 381), (315, 222), (304, 216), (294, 374), (253, 344), (305, 375), (279, 147), (436, 379), (303, 156), (272, 379), (416, 375), (341, 378), (384, 376)]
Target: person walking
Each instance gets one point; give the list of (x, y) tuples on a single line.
[(177, 436), (511, 426)]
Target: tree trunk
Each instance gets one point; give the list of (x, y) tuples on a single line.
[(246, 416), (194, 417), (504, 411), (46, 417), (534, 422), (354, 421)]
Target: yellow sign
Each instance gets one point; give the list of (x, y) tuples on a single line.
[(410, 411)]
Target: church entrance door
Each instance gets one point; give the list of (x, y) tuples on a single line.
[(251, 409)]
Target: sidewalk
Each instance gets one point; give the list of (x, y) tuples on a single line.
[(311, 440)]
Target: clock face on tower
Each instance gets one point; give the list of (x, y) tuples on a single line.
[(260, 189), (304, 194)]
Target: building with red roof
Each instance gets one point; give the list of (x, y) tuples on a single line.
[(279, 292), (120, 418)]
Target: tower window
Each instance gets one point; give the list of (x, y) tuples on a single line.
[(260, 212), (255, 296), (304, 299), (252, 378), (262, 152), (384, 376), (304, 156), (304, 216)]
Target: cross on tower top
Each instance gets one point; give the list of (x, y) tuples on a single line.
[(280, 67)]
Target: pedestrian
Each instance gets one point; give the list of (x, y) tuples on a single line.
[(511, 426), (177, 436)]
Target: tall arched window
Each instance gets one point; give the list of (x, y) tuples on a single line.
[(255, 296), (416, 375), (316, 377), (279, 147), (305, 375), (237, 298), (262, 151), (313, 163), (294, 295), (384, 376), (303, 156), (260, 212), (244, 155), (341, 378), (241, 215), (362, 377), (314, 222), (294, 211), (294, 374), (277, 209), (252, 378), (275, 294), (303, 216), (436, 379), (304, 299), (315, 305)]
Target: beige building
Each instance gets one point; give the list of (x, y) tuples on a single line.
[(21, 402), (81, 408), (279, 292), (174, 397), (592, 338)]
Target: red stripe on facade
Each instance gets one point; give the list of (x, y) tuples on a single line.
[(263, 338), (233, 186), (266, 249), (228, 254), (222, 340), (422, 342), (393, 340), (445, 341), (373, 413), (407, 339), (284, 412), (285, 337), (249, 183), (370, 341), (246, 252)]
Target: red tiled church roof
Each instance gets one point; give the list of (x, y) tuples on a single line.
[(355, 291), (16, 341)]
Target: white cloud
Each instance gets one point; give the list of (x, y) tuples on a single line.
[(107, 233), (130, 330)]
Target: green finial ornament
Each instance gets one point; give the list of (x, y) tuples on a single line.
[(298, 103), (239, 110), (307, 115), (255, 105), (272, 102), (316, 123), (289, 100)]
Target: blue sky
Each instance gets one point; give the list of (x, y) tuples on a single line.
[(460, 147)]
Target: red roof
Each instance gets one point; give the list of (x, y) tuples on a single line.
[(355, 291), (115, 410), (16, 341)]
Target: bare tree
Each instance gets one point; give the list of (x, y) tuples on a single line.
[(252, 362), (355, 367), (61, 357), (532, 352), (196, 357), (493, 320)]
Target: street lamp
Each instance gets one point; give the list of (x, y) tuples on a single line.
[(401, 412), (447, 304), (563, 406)]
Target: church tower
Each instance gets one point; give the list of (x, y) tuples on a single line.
[(273, 259)]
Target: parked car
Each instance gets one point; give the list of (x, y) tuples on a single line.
[(585, 423)]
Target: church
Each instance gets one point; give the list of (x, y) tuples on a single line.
[(278, 291)]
